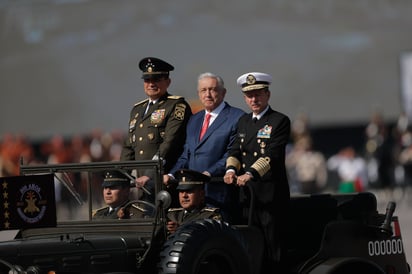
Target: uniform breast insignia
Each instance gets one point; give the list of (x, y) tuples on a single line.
[(180, 111), (264, 132), (262, 147), (150, 136), (132, 124), (157, 116)]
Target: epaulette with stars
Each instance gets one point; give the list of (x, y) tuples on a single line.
[(174, 97)]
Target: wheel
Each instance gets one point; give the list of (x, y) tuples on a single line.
[(346, 266), (203, 247)]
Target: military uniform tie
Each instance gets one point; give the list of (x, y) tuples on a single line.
[(148, 107)]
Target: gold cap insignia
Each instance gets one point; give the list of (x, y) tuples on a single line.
[(250, 79)]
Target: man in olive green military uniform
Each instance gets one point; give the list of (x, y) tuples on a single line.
[(157, 126), (192, 200), (116, 190)]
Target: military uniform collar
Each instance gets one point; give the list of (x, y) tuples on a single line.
[(260, 114)]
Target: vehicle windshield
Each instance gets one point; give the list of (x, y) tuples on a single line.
[(79, 191)]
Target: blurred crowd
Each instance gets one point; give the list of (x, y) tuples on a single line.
[(384, 160)]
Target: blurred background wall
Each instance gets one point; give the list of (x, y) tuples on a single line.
[(70, 66)]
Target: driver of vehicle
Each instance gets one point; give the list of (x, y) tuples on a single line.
[(116, 191), (191, 189)]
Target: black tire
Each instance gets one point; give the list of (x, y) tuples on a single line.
[(347, 266), (203, 247)]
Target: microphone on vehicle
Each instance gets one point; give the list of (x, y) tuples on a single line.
[(163, 199)]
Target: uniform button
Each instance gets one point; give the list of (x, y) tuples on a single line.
[(244, 165), (255, 154), (244, 153), (140, 138), (141, 125), (141, 152)]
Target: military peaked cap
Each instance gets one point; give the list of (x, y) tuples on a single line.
[(189, 179), (115, 178), (254, 80), (154, 68)]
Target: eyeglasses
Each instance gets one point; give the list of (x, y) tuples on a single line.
[(211, 89)]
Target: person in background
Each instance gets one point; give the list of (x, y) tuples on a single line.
[(157, 125), (116, 190), (307, 166), (351, 170), (192, 200), (257, 159), (208, 153)]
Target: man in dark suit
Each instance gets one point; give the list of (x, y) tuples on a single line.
[(257, 159), (207, 154), (157, 126)]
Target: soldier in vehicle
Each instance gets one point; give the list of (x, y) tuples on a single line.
[(116, 190), (157, 125), (192, 200)]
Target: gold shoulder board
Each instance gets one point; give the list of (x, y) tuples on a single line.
[(141, 102), (94, 211), (175, 209), (211, 209), (174, 97)]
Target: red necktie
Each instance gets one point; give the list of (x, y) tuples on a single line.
[(205, 126)]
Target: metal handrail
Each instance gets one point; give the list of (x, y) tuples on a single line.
[(91, 166)]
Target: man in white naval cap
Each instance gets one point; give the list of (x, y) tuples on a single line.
[(257, 159)]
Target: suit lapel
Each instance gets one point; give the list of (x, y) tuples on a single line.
[(220, 119), (197, 126)]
